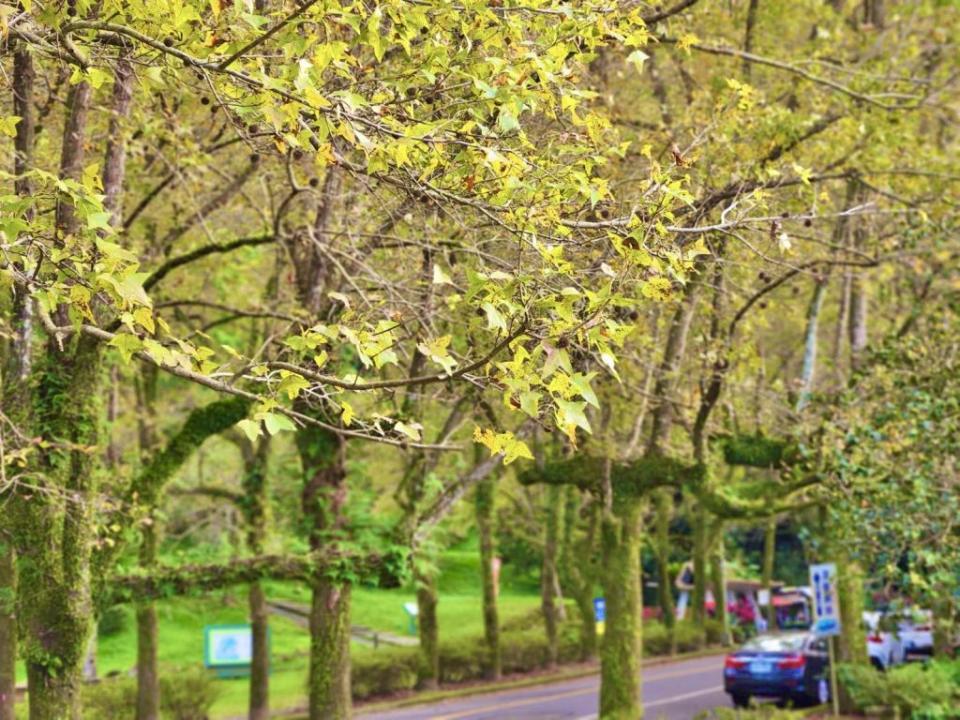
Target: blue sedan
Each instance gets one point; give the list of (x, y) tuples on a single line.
[(792, 668)]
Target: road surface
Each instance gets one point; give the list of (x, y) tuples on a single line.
[(677, 691)]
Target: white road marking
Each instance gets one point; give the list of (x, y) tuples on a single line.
[(666, 701)]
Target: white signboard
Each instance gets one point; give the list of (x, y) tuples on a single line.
[(228, 645), (826, 605)]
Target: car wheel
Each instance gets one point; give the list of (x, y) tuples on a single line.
[(877, 664), (740, 700)]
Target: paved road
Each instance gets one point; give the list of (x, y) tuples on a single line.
[(677, 691)]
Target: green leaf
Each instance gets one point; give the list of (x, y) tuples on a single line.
[(495, 320), (571, 413), (127, 344), (250, 428), (293, 384), (276, 423)]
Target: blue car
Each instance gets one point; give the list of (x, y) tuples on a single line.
[(792, 668)]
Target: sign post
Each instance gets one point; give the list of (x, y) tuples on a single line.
[(826, 618), (600, 614)]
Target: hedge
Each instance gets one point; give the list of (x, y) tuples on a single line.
[(523, 647)]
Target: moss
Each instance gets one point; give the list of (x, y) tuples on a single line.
[(329, 678), (54, 534), (491, 624), (758, 451), (201, 424), (620, 652)]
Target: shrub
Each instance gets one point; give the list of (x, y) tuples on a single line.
[(761, 712), (656, 639), (465, 659), (714, 632), (388, 670), (920, 691), (188, 695), (113, 621), (113, 698), (689, 636)]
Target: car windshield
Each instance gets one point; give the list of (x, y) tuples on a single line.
[(775, 643)]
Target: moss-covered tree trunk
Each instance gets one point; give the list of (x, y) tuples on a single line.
[(549, 602), (491, 620), (577, 567), (329, 678), (148, 637), (620, 652), (699, 595), (769, 556), (663, 508), (259, 702), (428, 628), (8, 630), (322, 455), (17, 362), (254, 507), (55, 535), (718, 581)]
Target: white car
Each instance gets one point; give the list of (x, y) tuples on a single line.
[(884, 648), (916, 633)]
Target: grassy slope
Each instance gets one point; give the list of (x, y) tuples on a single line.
[(182, 621)]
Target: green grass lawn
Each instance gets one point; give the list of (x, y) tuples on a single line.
[(181, 623)]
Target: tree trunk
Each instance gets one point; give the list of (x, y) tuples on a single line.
[(148, 638), (428, 629), (8, 631), (748, 35), (699, 595), (719, 583), (16, 373), (858, 308), (322, 455), (548, 574), (55, 536), (259, 706), (661, 547), (769, 556), (807, 374), (620, 654), (874, 13), (577, 566), (330, 651), (254, 509), (491, 621)]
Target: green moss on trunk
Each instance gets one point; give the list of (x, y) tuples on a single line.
[(148, 639), (620, 653), (54, 531), (324, 496), (259, 706), (699, 594), (578, 569), (428, 629), (548, 575), (148, 673), (769, 556), (491, 621), (719, 584), (661, 548), (329, 681), (254, 505), (8, 630)]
